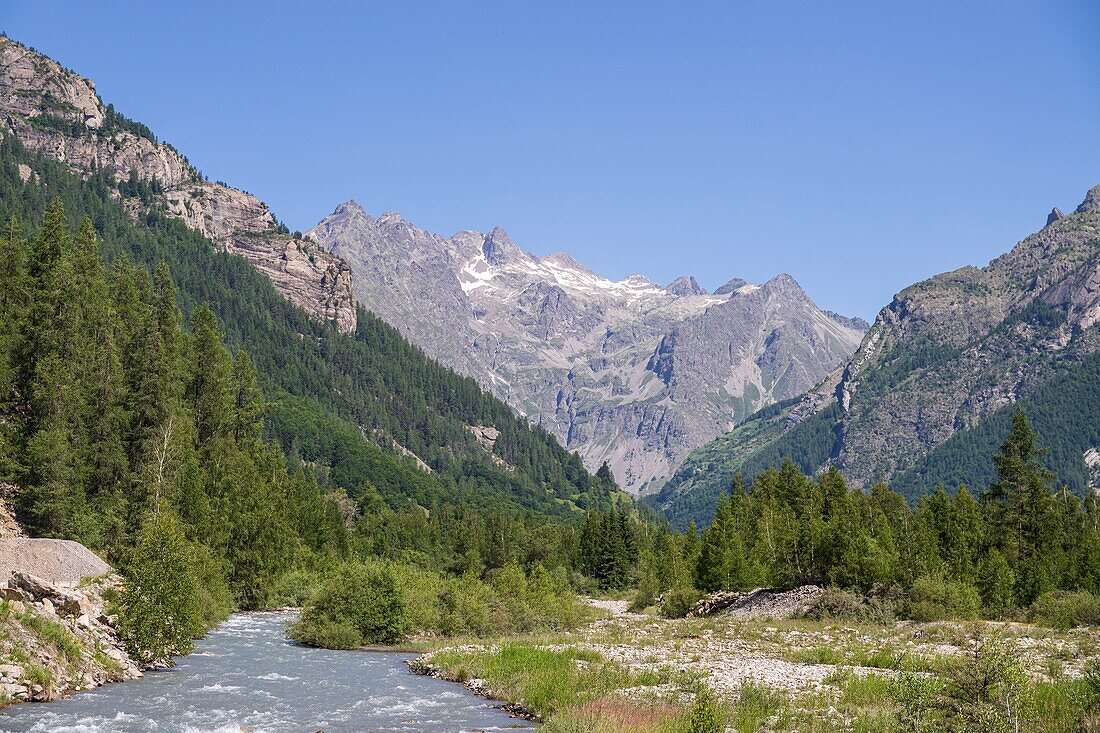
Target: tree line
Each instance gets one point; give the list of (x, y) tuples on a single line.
[(958, 554)]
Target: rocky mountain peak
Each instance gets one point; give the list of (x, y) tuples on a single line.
[(784, 283), (685, 285), (392, 218), (498, 247), (1091, 204), (1054, 215), (623, 371), (730, 286)]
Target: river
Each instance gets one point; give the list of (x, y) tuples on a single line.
[(246, 676)]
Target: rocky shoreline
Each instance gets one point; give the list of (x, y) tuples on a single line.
[(422, 666), (56, 634)]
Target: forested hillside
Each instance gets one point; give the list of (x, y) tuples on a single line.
[(353, 407), (934, 383)]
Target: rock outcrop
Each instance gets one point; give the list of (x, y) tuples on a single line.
[(56, 636), (944, 356), (627, 372), (58, 113)]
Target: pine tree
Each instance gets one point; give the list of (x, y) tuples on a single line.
[(211, 380)]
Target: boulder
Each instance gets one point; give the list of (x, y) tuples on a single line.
[(66, 602), (12, 672)]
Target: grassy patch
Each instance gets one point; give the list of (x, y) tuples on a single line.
[(756, 705), (56, 635), (543, 680)]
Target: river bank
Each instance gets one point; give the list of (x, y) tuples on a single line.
[(56, 634), (641, 673)]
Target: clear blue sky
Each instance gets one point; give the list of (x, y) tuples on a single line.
[(858, 146)]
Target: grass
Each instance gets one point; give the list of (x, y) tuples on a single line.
[(755, 706), (881, 675), (56, 635), (618, 715), (542, 680)]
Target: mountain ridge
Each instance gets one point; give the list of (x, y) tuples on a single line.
[(945, 356), (580, 354), (58, 112)]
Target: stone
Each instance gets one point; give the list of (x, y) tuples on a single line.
[(1054, 215), (14, 594), (13, 690), (11, 671)]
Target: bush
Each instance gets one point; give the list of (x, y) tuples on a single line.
[(327, 634), (939, 598), (294, 588), (1065, 609), (706, 714), (358, 604), (677, 603), (835, 603)]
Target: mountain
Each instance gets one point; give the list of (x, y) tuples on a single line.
[(57, 112), (347, 395), (627, 372), (928, 395)]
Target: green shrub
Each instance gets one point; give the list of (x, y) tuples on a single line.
[(835, 603), (706, 714), (1090, 680), (294, 588), (358, 604), (327, 634), (939, 598), (1066, 609), (677, 603)]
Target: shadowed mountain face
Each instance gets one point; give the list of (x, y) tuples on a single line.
[(627, 372), (926, 397)]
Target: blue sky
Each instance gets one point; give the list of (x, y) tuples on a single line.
[(858, 146)]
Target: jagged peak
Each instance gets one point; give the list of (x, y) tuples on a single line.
[(783, 281), (1054, 215), (351, 205), (392, 218), (1091, 204), (685, 285), (498, 247), (731, 286)]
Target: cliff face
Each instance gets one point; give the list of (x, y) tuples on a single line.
[(953, 349), (56, 112), (941, 359), (627, 372)]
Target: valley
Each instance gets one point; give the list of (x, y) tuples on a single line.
[(366, 476)]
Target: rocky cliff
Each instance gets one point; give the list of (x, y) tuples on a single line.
[(941, 359), (627, 372), (54, 111)]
